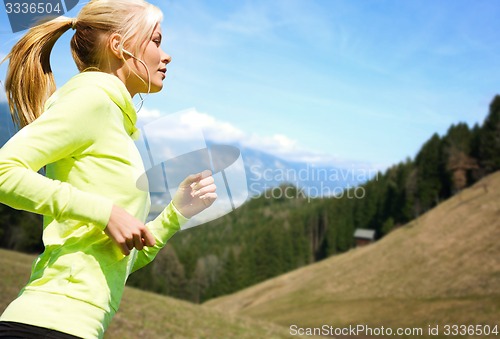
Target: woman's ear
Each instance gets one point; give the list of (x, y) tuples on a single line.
[(115, 45)]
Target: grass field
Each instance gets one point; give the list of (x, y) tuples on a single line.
[(443, 268)]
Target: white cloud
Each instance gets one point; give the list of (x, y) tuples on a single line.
[(185, 126), (215, 130), (146, 114)]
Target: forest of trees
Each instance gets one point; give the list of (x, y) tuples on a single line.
[(267, 237)]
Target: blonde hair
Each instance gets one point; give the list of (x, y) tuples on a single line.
[(29, 81)]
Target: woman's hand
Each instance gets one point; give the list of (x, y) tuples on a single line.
[(195, 193), (127, 232)]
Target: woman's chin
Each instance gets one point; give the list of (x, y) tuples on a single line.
[(155, 88)]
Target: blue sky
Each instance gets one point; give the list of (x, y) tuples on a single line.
[(323, 81)]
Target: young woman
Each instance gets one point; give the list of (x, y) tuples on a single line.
[(83, 134)]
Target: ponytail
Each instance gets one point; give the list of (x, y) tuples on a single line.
[(30, 81)]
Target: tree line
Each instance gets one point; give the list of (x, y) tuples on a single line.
[(275, 233)]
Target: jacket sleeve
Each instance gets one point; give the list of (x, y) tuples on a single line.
[(67, 127), (163, 228)]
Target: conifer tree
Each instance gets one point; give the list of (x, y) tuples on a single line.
[(489, 141), (429, 173)]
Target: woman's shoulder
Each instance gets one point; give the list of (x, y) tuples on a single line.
[(92, 88), (78, 93)]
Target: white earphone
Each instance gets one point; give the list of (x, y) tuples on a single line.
[(128, 53), (147, 71)]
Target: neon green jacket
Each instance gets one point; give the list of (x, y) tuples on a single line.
[(85, 140)]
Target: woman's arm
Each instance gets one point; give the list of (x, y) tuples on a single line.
[(63, 130), (195, 193)]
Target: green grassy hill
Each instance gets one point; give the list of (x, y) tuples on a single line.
[(442, 268), (148, 315)]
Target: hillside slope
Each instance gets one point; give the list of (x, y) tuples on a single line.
[(148, 315), (444, 267)]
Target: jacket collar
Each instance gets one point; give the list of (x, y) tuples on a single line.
[(117, 92)]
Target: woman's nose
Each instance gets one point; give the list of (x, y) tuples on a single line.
[(166, 58)]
